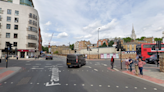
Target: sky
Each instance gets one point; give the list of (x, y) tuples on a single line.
[(75, 20)]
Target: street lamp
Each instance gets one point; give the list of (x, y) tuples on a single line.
[(98, 43)]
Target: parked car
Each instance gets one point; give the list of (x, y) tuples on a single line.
[(152, 59), (76, 60), (49, 56)]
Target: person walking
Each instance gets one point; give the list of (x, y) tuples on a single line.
[(127, 63), (112, 62), (140, 65), (130, 64), (136, 66)]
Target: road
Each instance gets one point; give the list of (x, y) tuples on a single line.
[(54, 76)]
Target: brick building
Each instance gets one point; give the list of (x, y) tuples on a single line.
[(101, 41), (40, 41)]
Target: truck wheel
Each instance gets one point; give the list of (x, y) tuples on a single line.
[(68, 66)]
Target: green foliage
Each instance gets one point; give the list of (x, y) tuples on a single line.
[(71, 46), (56, 52), (157, 39), (45, 48), (104, 45), (127, 39), (110, 43), (141, 39)]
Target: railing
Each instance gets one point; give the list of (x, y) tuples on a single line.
[(32, 38), (28, 29)]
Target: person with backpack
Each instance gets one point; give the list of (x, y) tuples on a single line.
[(112, 62), (130, 63)]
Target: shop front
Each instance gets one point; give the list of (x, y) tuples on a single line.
[(26, 53)]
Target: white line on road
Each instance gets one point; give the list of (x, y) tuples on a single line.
[(48, 66), (91, 85), (144, 88), (66, 84), (74, 84), (115, 69), (11, 82), (37, 83), (105, 64), (31, 83), (95, 69), (83, 85), (100, 85), (28, 64), (117, 86), (5, 82), (135, 87), (155, 88), (108, 85), (126, 87), (35, 66)]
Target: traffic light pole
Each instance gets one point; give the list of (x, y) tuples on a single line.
[(121, 59), (7, 59)]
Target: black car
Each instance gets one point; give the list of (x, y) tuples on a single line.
[(76, 60), (49, 56), (152, 59)]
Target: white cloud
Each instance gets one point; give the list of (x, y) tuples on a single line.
[(62, 35), (48, 23)]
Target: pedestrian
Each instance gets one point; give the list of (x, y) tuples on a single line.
[(127, 63), (136, 66), (112, 62), (130, 63), (140, 65), (17, 57)]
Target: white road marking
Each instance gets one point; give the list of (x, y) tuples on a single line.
[(49, 75), (47, 66), (66, 84), (115, 69), (60, 66), (37, 68), (83, 85), (117, 86), (108, 85), (38, 64), (31, 83), (74, 84), (135, 87), (87, 70), (155, 88), (144, 88), (91, 85), (11, 82), (126, 87), (54, 77), (5, 82), (63, 70), (105, 64), (102, 70), (100, 85), (45, 70), (95, 69), (37, 83)]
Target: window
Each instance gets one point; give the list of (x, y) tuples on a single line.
[(9, 11), (30, 21), (0, 25), (31, 44), (15, 43), (128, 49), (32, 29), (33, 22), (16, 20), (15, 35), (132, 49), (8, 19), (16, 27), (33, 16), (30, 15), (8, 26), (0, 10), (16, 13), (7, 35)]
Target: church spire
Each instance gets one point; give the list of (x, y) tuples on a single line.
[(133, 35)]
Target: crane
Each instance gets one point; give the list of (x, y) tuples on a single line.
[(49, 43)]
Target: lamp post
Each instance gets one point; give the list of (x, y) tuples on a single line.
[(98, 43)]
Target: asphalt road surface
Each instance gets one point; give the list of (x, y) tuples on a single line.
[(54, 76)]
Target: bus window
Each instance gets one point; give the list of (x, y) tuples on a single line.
[(151, 53)]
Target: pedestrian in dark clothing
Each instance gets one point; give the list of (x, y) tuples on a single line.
[(17, 57), (130, 64), (112, 62)]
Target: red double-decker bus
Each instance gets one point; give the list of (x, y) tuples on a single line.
[(145, 50)]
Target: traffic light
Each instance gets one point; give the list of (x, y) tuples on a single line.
[(75, 51), (122, 48), (118, 46)]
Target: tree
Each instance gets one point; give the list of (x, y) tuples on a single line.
[(141, 39), (71, 47), (110, 43), (104, 45), (127, 39), (56, 52), (157, 39), (45, 48)]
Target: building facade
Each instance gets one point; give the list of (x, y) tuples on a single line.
[(81, 45), (19, 25), (149, 39), (59, 49)]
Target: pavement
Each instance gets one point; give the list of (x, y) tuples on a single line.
[(53, 76)]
